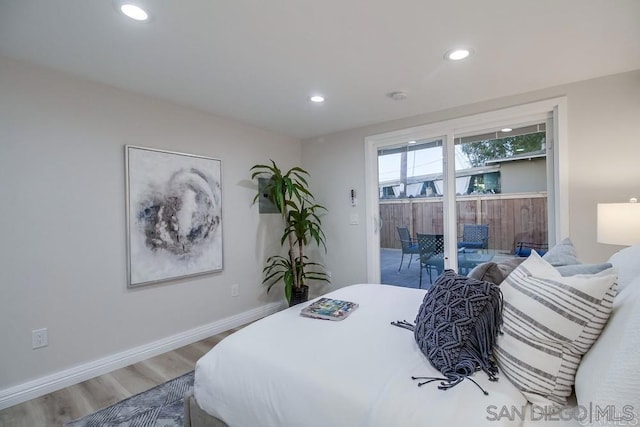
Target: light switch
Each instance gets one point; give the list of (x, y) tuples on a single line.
[(354, 219)]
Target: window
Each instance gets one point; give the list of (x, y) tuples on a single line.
[(495, 175)]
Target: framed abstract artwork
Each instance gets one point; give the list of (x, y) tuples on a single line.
[(174, 215)]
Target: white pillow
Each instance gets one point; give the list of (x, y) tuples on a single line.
[(550, 321), (628, 263), (609, 373)]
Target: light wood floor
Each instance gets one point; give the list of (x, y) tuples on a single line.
[(73, 402)]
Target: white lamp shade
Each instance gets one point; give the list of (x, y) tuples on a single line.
[(619, 223)]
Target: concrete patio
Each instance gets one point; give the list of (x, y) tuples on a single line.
[(409, 276)]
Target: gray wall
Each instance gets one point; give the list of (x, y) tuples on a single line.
[(62, 220), (604, 148)]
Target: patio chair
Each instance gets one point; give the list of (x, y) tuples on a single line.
[(409, 246), (475, 237), (523, 249), (431, 248)]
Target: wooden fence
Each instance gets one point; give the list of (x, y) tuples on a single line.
[(511, 218)]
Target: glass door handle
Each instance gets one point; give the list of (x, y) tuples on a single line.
[(377, 223)]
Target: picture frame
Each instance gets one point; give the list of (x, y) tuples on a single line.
[(174, 215)]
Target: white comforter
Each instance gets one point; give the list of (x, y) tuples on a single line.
[(289, 370)]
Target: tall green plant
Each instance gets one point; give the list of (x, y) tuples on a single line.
[(289, 191)]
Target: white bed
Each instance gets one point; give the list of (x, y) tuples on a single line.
[(289, 370)]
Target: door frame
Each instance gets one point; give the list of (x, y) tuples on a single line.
[(557, 169)]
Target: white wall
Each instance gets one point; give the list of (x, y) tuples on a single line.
[(604, 148), (62, 220), (62, 252)]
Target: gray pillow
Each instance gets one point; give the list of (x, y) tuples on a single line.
[(487, 272), (495, 272), (564, 253), (564, 258), (509, 265), (572, 270)]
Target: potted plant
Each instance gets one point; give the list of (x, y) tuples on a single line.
[(289, 192)]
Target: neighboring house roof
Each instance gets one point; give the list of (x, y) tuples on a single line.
[(524, 156)]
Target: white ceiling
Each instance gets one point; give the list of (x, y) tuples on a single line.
[(258, 60)]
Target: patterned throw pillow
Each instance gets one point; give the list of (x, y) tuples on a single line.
[(456, 328), (550, 321)]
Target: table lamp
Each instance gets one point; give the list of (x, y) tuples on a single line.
[(619, 223)]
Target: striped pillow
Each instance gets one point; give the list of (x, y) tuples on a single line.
[(550, 321)]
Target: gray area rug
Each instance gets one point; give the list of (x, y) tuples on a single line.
[(161, 406)]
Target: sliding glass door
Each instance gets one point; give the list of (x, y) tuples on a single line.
[(410, 178), (501, 193), (479, 187)]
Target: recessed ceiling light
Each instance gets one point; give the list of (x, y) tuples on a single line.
[(411, 142), (506, 130), (316, 98), (457, 54), (134, 12)]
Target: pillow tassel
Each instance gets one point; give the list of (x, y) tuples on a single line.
[(487, 328), (404, 324)]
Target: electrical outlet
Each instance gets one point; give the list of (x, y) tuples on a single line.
[(235, 290), (39, 338)]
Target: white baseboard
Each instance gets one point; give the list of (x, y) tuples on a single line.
[(59, 380)]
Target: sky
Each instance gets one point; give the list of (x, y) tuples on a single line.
[(426, 161)]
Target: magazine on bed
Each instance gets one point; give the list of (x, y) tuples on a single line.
[(329, 309)]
